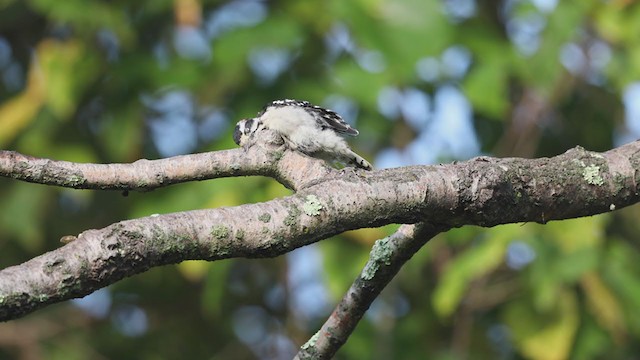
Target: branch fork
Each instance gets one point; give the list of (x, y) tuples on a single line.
[(427, 199)]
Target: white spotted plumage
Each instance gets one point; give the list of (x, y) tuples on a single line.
[(307, 128)]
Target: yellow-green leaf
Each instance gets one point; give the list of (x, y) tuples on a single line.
[(546, 336)]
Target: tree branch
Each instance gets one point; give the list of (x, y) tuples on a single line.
[(266, 158), (386, 258), (482, 191)]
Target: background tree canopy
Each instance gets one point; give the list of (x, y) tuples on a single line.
[(423, 81)]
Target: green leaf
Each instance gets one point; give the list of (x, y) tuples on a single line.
[(21, 215), (474, 263), (214, 287), (486, 88), (548, 335)]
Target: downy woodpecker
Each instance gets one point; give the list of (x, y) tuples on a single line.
[(307, 128)]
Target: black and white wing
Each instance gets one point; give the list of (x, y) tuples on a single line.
[(325, 118)]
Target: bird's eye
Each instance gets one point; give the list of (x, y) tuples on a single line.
[(237, 134)]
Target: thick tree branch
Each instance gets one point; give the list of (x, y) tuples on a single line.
[(386, 258), (481, 191)]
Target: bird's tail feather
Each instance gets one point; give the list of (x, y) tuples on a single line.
[(360, 162)]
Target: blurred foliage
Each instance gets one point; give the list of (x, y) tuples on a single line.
[(116, 81)]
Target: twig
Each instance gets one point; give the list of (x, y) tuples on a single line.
[(386, 258)]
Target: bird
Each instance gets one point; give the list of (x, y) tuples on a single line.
[(244, 131), (307, 128)]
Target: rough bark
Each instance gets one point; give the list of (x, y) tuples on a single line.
[(482, 191)]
